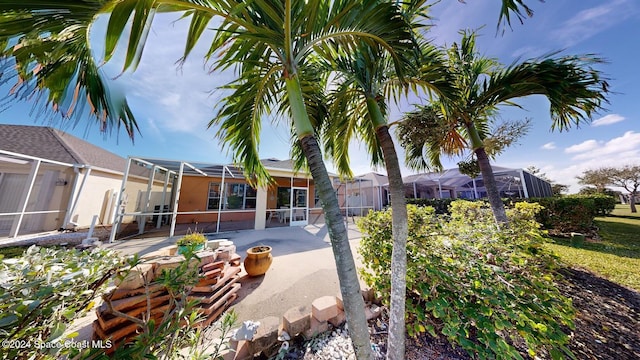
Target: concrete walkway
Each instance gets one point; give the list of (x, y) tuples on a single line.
[(303, 267)]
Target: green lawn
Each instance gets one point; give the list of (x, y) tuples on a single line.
[(616, 257)]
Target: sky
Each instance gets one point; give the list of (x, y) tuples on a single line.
[(173, 104)]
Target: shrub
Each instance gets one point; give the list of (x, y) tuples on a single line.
[(441, 206), (44, 291), (604, 204), (566, 214), (488, 289)]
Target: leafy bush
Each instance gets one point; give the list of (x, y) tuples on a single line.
[(441, 206), (566, 214), (42, 292), (604, 204), (488, 289)]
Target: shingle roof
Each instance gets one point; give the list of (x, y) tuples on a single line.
[(52, 144)]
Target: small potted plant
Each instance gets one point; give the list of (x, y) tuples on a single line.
[(191, 242)]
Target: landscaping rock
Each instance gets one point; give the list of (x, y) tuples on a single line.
[(324, 308), (137, 277), (296, 320)]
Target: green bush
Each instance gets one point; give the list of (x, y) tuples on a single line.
[(42, 292), (441, 206), (604, 204), (566, 214), (488, 289)]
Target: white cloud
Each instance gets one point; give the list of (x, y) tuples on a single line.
[(582, 147), (608, 120), (548, 146), (589, 22), (616, 151)]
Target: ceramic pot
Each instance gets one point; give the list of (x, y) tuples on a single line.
[(258, 260)]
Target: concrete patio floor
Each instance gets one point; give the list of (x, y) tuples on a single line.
[(303, 266)]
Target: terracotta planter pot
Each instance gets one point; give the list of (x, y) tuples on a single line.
[(258, 260)]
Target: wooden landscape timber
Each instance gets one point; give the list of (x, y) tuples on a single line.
[(215, 291)]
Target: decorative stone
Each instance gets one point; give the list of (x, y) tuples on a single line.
[(167, 263), (316, 328), (296, 320), (339, 319), (324, 308), (246, 331), (266, 335), (206, 257), (136, 277), (372, 311)]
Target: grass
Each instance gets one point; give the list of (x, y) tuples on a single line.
[(616, 257)]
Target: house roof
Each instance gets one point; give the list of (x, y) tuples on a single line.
[(52, 144), (376, 178)]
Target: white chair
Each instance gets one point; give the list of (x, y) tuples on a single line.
[(298, 215)]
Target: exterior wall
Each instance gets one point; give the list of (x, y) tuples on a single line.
[(50, 192), (194, 196), (100, 186)]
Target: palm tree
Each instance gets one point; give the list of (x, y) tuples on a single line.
[(363, 81), (271, 45), (49, 61), (461, 122)]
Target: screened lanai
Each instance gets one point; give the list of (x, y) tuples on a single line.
[(214, 198), (450, 183), (160, 205)]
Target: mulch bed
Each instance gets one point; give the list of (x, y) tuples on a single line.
[(607, 323)]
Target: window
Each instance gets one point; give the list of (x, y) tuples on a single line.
[(213, 200), (250, 197), (316, 198), (236, 197)]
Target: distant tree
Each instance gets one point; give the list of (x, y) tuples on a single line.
[(627, 177), (590, 190), (597, 178)]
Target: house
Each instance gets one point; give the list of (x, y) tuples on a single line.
[(51, 180), (451, 183), (215, 198)]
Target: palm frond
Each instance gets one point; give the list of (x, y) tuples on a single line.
[(47, 55)]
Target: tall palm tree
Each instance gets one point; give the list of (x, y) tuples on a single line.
[(48, 60), (461, 121), (271, 44), (363, 81)]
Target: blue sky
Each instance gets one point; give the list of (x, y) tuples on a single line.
[(174, 104)]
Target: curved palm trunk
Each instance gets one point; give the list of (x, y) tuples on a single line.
[(346, 267), (497, 206), (400, 231), (347, 274)]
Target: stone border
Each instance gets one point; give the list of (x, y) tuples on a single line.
[(325, 313)]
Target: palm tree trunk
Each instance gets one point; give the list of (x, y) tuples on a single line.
[(400, 231), (347, 274), (346, 266), (497, 206)]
